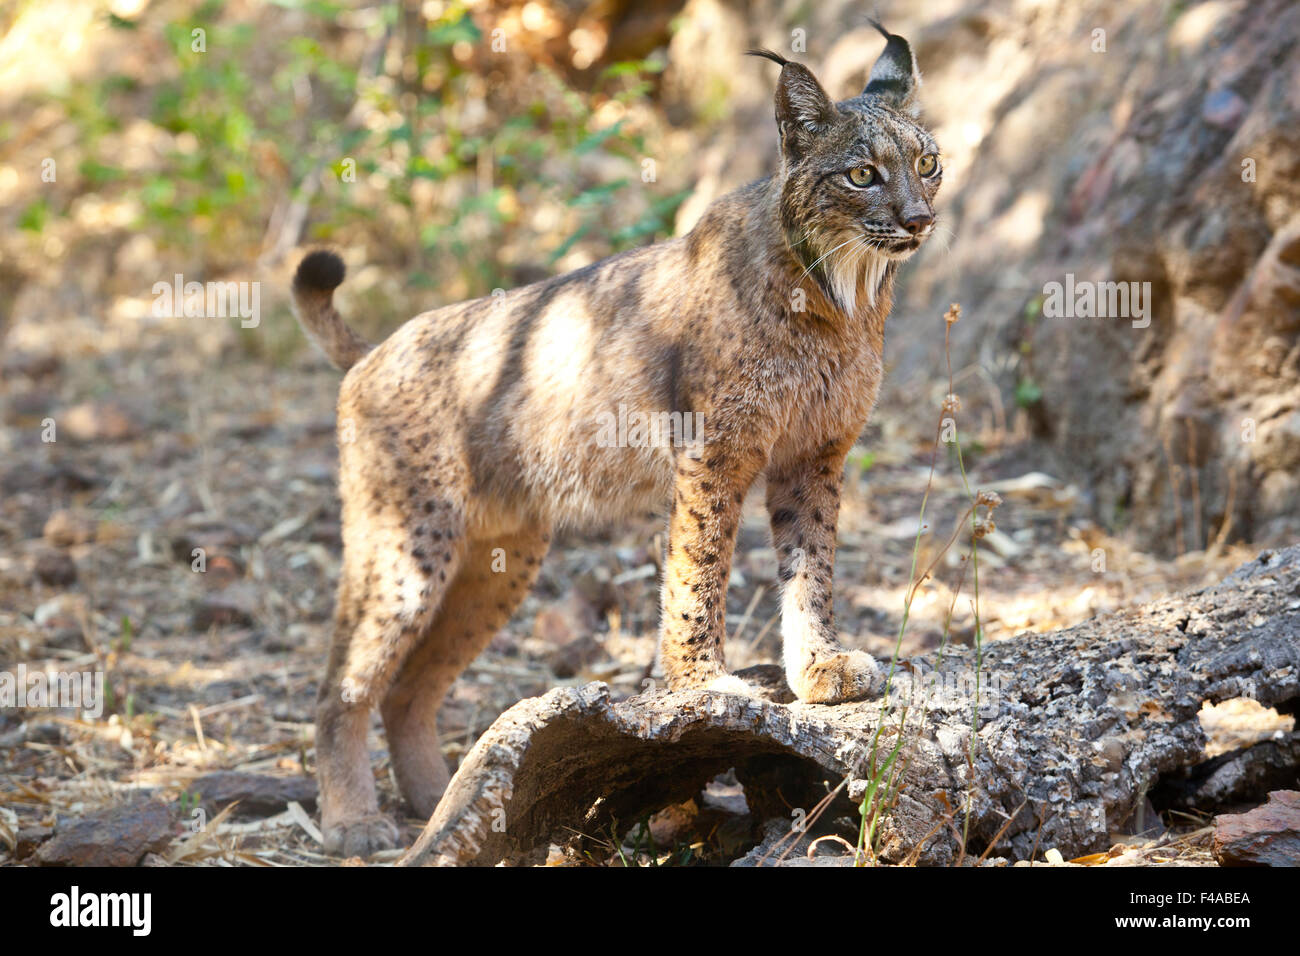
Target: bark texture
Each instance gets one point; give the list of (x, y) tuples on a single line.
[(1077, 725)]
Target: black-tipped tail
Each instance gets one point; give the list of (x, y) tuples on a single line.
[(318, 275), (320, 271)]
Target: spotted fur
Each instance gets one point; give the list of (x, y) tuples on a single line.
[(475, 430)]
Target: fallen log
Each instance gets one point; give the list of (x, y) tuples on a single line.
[(1073, 729)]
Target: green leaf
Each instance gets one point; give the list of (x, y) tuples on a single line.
[(1028, 393), (33, 217), (98, 174), (596, 139)]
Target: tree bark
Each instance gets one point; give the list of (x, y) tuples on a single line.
[(1073, 729)]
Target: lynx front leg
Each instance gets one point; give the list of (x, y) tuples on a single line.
[(803, 502), (707, 500)]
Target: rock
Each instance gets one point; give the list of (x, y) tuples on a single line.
[(65, 528), (1222, 108), (561, 622), (675, 823), (597, 589), (234, 605), (27, 409), (34, 365), (29, 839), (96, 422), (55, 568), (118, 836), (725, 794), (1266, 836), (212, 551), (575, 656), (258, 794), (554, 627), (47, 480)]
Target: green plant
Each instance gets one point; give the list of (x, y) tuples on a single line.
[(887, 774)]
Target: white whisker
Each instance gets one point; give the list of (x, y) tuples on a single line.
[(820, 258)]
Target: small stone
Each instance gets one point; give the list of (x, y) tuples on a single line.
[(258, 794), (234, 605), (673, 823), (55, 568), (33, 365), (64, 528), (28, 408), (118, 836), (553, 626), (95, 422), (576, 656), (213, 550), (1266, 836), (47, 480), (722, 793), (1222, 108), (597, 589), (29, 839)]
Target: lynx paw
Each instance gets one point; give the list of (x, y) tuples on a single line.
[(729, 684), (362, 837), (851, 675)]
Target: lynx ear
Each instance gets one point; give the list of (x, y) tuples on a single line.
[(894, 78), (802, 107)]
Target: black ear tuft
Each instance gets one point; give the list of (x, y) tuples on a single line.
[(803, 109), (320, 271), (894, 77), (768, 54)]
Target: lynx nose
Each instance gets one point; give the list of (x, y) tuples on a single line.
[(918, 221)]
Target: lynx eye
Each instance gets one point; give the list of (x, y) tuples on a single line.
[(928, 164), (862, 176)]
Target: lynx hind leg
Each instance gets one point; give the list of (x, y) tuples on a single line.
[(396, 570), (493, 580)]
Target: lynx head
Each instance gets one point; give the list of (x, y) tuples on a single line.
[(858, 177)]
